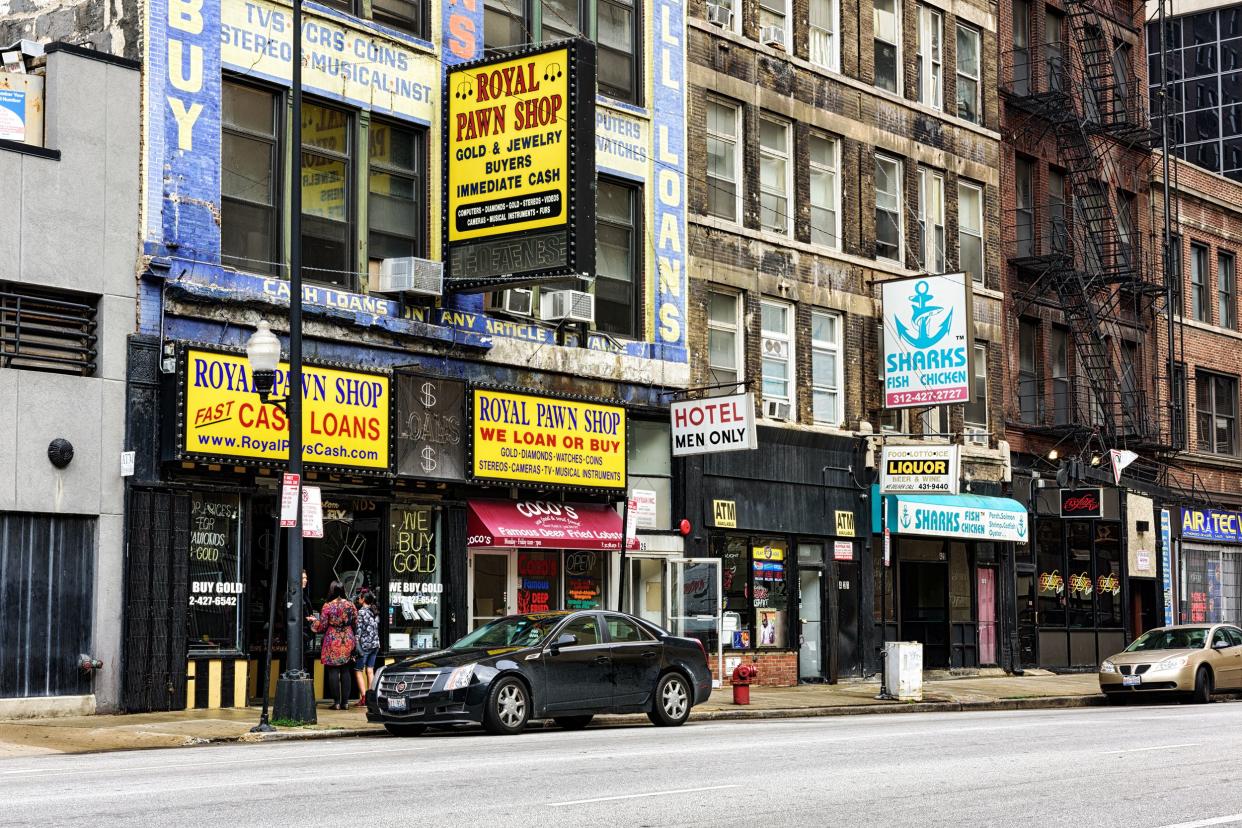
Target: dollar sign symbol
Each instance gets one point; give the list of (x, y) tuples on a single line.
[(429, 459), (429, 395)]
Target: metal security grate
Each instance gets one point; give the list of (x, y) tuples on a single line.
[(40, 331)]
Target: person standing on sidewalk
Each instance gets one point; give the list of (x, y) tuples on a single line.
[(336, 622), (368, 645)]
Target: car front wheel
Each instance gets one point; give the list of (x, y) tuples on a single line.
[(405, 730), (672, 701), (508, 707), (1203, 686)]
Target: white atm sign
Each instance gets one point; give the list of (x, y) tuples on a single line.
[(714, 424)]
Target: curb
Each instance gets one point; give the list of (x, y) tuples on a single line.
[(615, 720)]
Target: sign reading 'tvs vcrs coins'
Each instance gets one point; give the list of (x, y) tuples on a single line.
[(344, 414), (520, 165)]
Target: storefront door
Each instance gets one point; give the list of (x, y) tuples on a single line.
[(645, 589), (925, 610), (489, 586), (694, 603), (985, 592), (811, 661), (849, 588)]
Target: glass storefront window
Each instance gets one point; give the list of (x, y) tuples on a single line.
[(735, 584), (214, 618), (415, 587), (584, 580), (1052, 580), (539, 581), (771, 594), (1079, 583), (1108, 574), (651, 469)]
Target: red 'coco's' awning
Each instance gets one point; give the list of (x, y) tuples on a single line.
[(536, 524)]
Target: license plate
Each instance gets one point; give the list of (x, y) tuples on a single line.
[(1131, 681), (396, 705)]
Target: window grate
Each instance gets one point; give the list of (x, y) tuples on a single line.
[(41, 332)]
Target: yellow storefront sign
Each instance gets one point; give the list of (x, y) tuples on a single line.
[(344, 414), (524, 438), (508, 146)]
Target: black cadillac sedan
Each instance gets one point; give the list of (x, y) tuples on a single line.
[(564, 666)]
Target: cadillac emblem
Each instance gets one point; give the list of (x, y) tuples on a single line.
[(400, 688)]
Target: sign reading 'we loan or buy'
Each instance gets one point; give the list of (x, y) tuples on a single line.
[(344, 414)]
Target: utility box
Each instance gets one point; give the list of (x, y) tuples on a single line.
[(21, 108), (903, 670)]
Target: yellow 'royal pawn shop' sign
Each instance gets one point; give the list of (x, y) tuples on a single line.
[(344, 414), (548, 441)]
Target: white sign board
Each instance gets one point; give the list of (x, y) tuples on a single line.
[(312, 512), (643, 508), (289, 500), (920, 469), (713, 425), (928, 340), (127, 463), (842, 551)]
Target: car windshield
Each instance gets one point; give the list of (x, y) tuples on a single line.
[(1184, 639), (512, 631)]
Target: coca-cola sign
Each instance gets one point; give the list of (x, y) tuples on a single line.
[(1081, 503)]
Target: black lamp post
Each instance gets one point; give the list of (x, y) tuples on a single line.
[(295, 691)]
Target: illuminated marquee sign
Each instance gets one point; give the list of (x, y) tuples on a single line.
[(344, 415), (520, 438), (519, 166)]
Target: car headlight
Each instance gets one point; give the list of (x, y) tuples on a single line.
[(460, 677), (1173, 663), (1108, 667)]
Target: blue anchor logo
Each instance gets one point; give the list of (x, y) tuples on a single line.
[(921, 318)]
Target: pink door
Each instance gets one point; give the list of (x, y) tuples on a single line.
[(987, 614)]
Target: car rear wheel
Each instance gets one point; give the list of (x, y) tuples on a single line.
[(405, 729), (508, 707), (1203, 686), (573, 722), (671, 706)]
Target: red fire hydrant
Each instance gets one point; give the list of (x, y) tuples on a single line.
[(743, 675)]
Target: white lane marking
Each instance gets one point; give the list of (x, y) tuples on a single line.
[(1203, 823), (640, 795), (1155, 747)]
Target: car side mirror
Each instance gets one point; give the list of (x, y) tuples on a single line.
[(566, 640), (1221, 645)]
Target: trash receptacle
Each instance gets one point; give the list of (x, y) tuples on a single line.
[(903, 670)]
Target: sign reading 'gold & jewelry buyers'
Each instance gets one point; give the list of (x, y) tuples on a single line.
[(520, 165)]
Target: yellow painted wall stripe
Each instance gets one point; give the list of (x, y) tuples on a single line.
[(191, 671), (318, 679), (214, 669), (241, 672)]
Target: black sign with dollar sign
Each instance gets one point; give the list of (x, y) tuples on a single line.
[(431, 428)]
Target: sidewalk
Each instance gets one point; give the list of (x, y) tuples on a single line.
[(88, 734)]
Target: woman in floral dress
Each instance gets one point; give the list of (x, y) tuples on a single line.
[(336, 622)]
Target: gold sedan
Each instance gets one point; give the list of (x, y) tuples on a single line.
[(1198, 659)]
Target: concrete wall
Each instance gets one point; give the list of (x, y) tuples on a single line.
[(74, 227), (112, 26)]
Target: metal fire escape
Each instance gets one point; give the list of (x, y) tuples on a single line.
[(1082, 249)]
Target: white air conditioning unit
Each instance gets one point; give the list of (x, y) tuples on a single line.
[(518, 301), (776, 409), (407, 274), (721, 16), (976, 436), (567, 306), (773, 36)]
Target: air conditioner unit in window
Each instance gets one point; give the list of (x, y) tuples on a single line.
[(976, 436), (776, 409), (773, 36), (407, 274), (567, 306), (719, 15), (518, 301)]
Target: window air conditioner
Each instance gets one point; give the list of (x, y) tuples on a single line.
[(407, 274), (776, 409), (517, 301), (719, 15), (773, 36), (567, 305), (976, 436)]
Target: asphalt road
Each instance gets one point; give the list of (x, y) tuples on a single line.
[(1134, 767)]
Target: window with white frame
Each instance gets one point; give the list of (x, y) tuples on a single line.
[(886, 24), (824, 18), (931, 220), (929, 63), (773, 23), (970, 229), (892, 420), (724, 338), (825, 191), (889, 237), (826, 367), (975, 412), (774, 175), (968, 59), (933, 422), (776, 329), (724, 196)]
